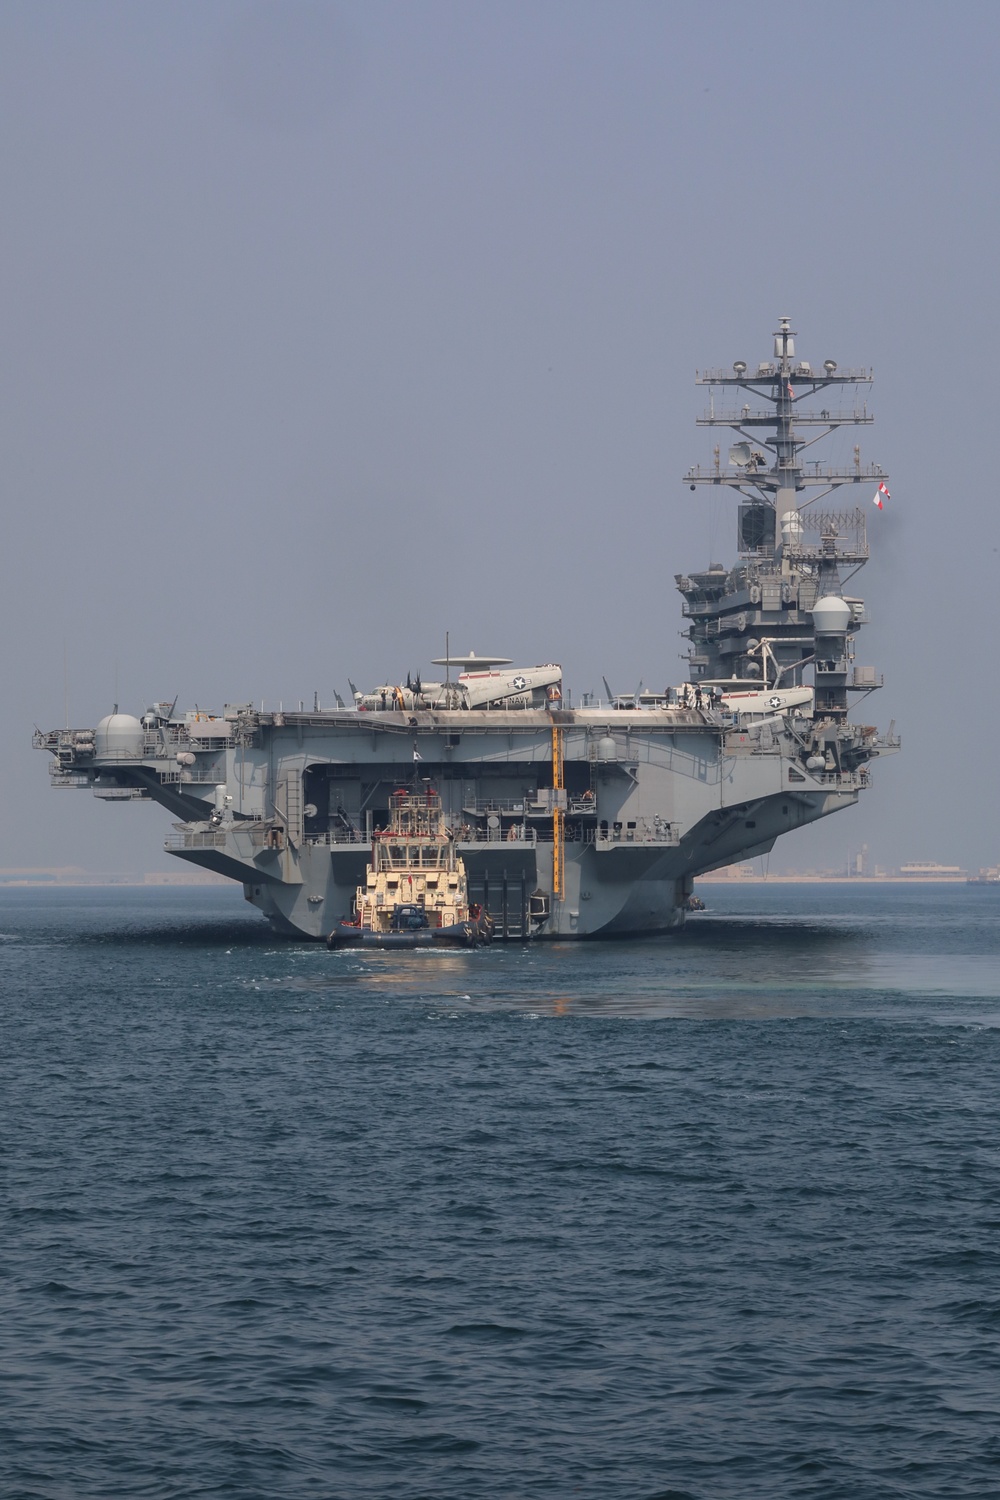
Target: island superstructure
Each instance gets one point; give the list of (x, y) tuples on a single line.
[(569, 821)]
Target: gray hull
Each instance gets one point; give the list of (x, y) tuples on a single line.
[(660, 798)]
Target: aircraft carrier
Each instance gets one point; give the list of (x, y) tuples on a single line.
[(572, 821)]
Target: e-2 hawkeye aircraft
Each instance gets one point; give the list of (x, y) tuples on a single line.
[(479, 684)]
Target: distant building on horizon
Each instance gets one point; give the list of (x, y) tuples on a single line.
[(927, 869)]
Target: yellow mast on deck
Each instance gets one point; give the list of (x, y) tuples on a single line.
[(557, 813)]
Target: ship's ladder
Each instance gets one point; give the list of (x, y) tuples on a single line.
[(558, 830), (288, 804), (593, 763)]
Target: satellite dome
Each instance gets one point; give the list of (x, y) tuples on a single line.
[(119, 736), (831, 615), (791, 528)]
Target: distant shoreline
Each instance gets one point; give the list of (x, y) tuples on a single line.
[(115, 885), (840, 880)]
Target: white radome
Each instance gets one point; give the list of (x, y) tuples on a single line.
[(119, 734), (831, 615)]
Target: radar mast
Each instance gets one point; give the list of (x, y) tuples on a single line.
[(754, 624)]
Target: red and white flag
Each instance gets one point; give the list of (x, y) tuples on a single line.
[(791, 393), (881, 494)]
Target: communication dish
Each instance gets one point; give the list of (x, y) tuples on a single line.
[(740, 454), (472, 662)]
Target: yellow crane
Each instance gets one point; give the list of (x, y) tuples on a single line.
[(558, 816)]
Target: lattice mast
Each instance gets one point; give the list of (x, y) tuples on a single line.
[(753, 623)]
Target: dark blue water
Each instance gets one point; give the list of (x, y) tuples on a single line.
[(715, 1215)]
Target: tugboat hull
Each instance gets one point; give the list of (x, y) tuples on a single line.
[(472, 934)]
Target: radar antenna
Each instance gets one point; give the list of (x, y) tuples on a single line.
[(765, 463)]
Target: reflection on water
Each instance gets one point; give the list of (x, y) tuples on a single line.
[(758, 953), (878, 955)]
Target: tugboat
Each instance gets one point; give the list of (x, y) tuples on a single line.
[(416, 892)]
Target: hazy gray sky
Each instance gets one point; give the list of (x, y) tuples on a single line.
[(329, 327)]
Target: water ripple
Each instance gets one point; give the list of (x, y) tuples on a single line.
[(703, 1218)]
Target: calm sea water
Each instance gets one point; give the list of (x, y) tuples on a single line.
[(714, 1215)]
